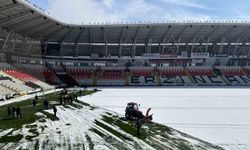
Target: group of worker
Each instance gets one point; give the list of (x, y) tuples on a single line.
[(14, 112)]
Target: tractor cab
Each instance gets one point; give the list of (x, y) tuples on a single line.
[(132, 111), (132, 106)]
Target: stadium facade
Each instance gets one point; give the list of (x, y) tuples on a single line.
[(188, 53)]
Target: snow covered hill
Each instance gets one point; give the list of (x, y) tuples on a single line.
[(81, 126)]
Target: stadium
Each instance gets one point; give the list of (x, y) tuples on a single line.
[(40, 54)]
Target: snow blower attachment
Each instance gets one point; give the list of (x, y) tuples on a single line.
[(133, 113)]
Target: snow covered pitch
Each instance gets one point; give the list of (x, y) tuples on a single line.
[(219, 116), (79, 125)]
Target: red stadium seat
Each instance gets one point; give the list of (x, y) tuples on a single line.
[(200, 71), (173, 72), (20, 75)]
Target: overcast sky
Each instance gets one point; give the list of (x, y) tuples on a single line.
[(85, 11)]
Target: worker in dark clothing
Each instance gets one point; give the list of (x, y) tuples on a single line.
[(34, 103), (18, 112), (14, 112), (62, 92), (64, 100), (68, 99), (46, 104), (71, 99), (36, 98), (9, 112), (75, 96), (61, 100), (54, 110), (138, 126)]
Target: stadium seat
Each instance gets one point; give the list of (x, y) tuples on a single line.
[(200, 71), (231, 71), (172, 71), (21, 76), (141, 71)]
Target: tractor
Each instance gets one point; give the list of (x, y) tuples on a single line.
[(133, 113)]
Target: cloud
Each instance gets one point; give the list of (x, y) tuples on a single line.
[(85, 11), (186, 3), (93, 11), (108, 3)]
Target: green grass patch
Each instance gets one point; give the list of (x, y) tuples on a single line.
[(50, 116), (184, 146), (97, 132), (114, 132), (127, 127), (10, 139), (31, 126), (33, 131), (158, 129), (36, 146), (91, 144), (30, 137)]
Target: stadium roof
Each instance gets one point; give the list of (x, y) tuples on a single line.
[(21, 17)]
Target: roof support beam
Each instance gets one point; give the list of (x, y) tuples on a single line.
[(163, 39), (46, 48), (105, 30), (15, 41), (135, 40), (149, 39), (224, 38), (240, 35), (6, 40), (61, 49), (66, 35), (212, 32), (52, 34), (180, 36), (235, 49), (195, 37), (225, 34), (90, 40), (120, 41), (79, 36)]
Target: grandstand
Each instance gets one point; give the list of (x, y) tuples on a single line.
[(38, 51)]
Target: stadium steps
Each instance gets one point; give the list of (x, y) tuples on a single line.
[(211, 61), (127, 75), (69, 76), (9, 88), (55, 73), (214, 73), (243, 71), (157, 74), (224, 61), (221, 75), (95, 76), (189, 75)]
